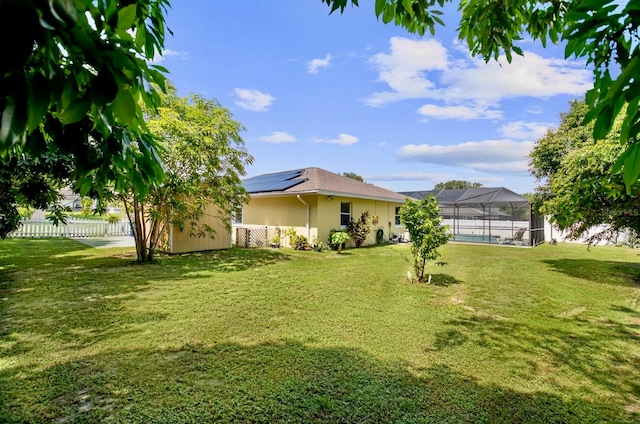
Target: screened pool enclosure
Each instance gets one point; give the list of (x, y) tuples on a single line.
[(487, 215)]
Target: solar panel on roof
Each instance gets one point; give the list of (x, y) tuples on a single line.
[(273, 182)]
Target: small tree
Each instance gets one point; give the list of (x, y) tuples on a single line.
[(204, 158), (423, 222), (358, 230), (338, 238)]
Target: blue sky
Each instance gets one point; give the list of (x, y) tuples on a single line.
[(347, 93)]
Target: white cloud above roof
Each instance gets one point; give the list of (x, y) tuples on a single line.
[(253, 100), (485, 156), (404, 68), (464, 87), (278, 137), (314, 65), (410, 176)]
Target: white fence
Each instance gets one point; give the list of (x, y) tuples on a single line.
[(37, 228)]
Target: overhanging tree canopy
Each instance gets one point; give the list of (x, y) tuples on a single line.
[(73, 76)]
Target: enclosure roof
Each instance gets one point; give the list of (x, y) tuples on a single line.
[(470, 196), (318, 181)]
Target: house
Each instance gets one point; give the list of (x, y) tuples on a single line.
[(313, 202)]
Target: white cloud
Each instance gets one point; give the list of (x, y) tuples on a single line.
[(344, 140), (253, 100), (313, 66), (486, 156), (411, 176), (157, 59), (277, 137), (460, 86), (526, 130), (404, 68), (459, 112), (528, 75)]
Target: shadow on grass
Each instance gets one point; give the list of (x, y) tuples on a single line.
[(444, 280), (270, 383), (44, 253), (63, 290), (605, 272), (592, 351)]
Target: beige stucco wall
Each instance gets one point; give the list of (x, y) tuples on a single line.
[(324, 214), (181, 241), (329, 216), (283, 212)]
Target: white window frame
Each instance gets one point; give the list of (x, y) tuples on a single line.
[(397, 221), (234, 216), (345, 214)]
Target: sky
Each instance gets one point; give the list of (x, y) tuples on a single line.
[(347, 93)]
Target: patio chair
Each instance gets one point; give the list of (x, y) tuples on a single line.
[(517, 237)]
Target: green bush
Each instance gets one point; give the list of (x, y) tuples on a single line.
[(301, 243), (358, 230)]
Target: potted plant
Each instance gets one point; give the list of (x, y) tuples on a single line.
[(275, 242), (319, 245), (292, 234)]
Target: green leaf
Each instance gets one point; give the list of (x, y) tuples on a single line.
[(38, 101), (408, 6), (604, 121), (631, 166), (75, 112), (6, 123), (124, 106), (13, 123), (126, 17)]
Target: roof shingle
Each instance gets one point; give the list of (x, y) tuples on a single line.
[(316, 180)]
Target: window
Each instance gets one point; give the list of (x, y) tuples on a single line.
[(398, 223), (236, 217), (345, 213)]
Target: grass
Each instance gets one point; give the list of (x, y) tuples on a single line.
[(550, 334)]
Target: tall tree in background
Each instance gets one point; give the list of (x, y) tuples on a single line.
[(353, 176), (580, 188), (204, 157), (456, 184), (602, 32)]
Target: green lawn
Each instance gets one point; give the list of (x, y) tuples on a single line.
[(504, 334)]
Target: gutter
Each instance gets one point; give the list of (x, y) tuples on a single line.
[(171, 238), (330, 193), (307, 205)]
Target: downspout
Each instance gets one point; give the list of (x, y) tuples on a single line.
[(307, 205), (171, 233)]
